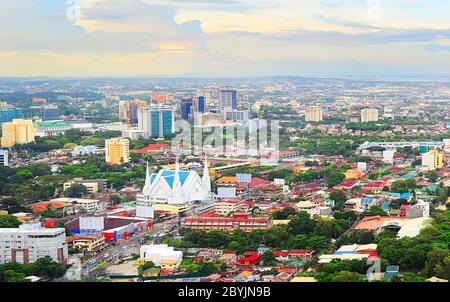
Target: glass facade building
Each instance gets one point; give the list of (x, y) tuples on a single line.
[(7, 115)]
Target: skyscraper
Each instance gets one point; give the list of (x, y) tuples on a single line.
[(49, 113), (200, 104), (117, 151), (186, 108), (128, 110), (313, 114), (17, 132), (156, 121), (369, 115), (227, 99)]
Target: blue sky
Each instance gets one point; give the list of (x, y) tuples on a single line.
[(226, 38)]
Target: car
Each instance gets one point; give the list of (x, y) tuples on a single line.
[(106, 255)]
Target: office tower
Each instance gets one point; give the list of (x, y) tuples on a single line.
[(432, 159), (186, 108), (123, 111), (313, 114), (156, 121), (200, 104), (117, 151), (128, 110), (49, 113), (17, 132), (369, 115), (4, 160), (8, 114), (227, 99), (134, 108)]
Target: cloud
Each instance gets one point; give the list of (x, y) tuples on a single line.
[(106, 26)]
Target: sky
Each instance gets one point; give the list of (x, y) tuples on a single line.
[(224, 38)]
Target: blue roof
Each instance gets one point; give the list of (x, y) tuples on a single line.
[(367, 199), (402, 195), (168, 175)]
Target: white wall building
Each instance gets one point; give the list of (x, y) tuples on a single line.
[(160, 253), (4, 159), (30, 242)]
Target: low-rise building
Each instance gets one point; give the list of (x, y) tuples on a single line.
[(162, 256), (236, 222), (93, 186), (31, 241)]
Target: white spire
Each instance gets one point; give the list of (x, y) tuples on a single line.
[(176, 188), (206, 178), (147, 185)]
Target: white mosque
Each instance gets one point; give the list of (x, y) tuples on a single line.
[(173, 187)]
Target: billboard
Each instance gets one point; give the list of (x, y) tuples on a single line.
[(92, 223), (223, 192)]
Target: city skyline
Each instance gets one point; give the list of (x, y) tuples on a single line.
[(233, 38)]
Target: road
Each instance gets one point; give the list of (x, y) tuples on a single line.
[(112, 254)]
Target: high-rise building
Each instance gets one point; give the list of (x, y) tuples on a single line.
[(432, 159), (369, 115), (31, 241), (313, 114), (228, 99), (18, 132), (49, 113), (117, 151), (200, 104), (128, 110), (156, 121), (4, 160), (8, 114), (186, 108)]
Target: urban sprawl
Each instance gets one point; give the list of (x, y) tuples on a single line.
[(278, 179)]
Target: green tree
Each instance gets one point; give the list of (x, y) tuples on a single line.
[(345, 276), (9, 221), (76, 191), (268, 258)]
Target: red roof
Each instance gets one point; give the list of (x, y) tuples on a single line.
[(281, 253), (208, 214), (300, 252), (153, 147)]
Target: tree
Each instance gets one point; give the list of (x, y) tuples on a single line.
[(9, 221), (347, 277), (374, 211), (442, 269), (12, 276), (435, 262), (12, 205), (338, 196), (334, 179), (114, 200), (301, 224), (432, 176), (268, 258), (76, 191)]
